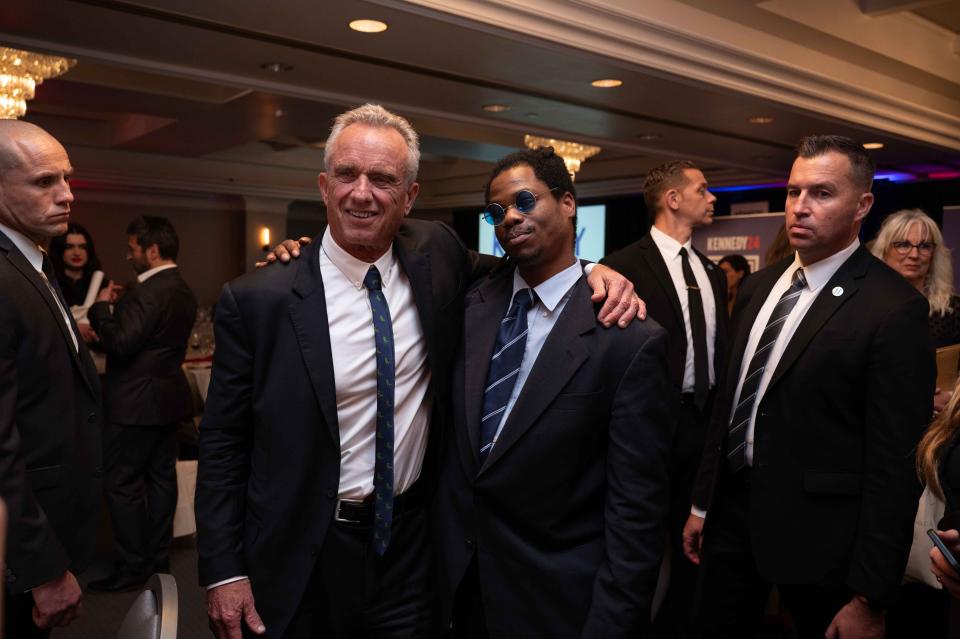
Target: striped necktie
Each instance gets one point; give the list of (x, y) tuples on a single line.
[(737, 434), (504, 368)]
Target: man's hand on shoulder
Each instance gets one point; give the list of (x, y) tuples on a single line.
[(857, 620), (57, 602), (622, 304), (229, 606), (284, 251)]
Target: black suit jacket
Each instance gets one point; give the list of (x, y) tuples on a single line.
[(49, 431), (270, 442), (565, 516), (145, 339), (833, 489)]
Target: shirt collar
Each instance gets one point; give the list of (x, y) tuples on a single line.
[(551, 290), (820, 272), (352, 268), (668, 245), (146, 275), (26, 246)]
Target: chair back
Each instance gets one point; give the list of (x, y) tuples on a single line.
[(154, 613)]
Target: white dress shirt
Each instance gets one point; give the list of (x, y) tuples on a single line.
[(670, 251), (34, 255), (355, 369), (551, 298), (817, 275), (146, 275)]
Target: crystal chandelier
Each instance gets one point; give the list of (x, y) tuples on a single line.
[(20, 73), (573, 153)]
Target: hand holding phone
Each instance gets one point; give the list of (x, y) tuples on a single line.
[(947, 554)]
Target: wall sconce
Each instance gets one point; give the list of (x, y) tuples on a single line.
[(265, 238)]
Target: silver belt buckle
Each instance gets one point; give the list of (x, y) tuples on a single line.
[(336, 511)]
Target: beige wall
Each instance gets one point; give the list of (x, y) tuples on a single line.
[(211, 231)]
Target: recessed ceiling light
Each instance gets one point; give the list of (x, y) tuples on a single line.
[(496, 108), (275, 67), (279, 113), (873, 145), (368, 26), (649, 136), (606, 83), (760, 119)]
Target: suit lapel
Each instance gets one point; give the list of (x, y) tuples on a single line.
[(747, 316), (484, 309), (651, 253), (562, 354), (309, 316), (417, 267), (846, 280)]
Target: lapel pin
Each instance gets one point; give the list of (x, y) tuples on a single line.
[(837, 291)]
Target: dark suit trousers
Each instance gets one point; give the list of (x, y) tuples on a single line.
[(18, 618), (355, 593), (141, 489), (733, 593), (469, 620), (673, 619)]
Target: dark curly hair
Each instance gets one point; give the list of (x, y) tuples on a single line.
[(58, 245)]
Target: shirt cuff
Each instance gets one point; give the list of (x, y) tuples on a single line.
[(588, 268), (227, 581), (702, 514)]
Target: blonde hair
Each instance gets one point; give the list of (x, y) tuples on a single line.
[(375, 115), (934, 443), (938, 284)]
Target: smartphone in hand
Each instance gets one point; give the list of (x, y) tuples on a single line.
[(935, 538)]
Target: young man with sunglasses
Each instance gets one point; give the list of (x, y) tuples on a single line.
[(553, 483)]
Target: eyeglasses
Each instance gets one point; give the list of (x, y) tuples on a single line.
[(524, 201), (903, 247)]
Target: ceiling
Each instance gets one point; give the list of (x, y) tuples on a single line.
[(173, 94)]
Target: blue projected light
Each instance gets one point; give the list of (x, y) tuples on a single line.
[(591, 234)]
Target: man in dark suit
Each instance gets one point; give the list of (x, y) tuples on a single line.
[(330, 377), (49, 395), (554, 481), (145, 396), (808, 470), (686, 293)]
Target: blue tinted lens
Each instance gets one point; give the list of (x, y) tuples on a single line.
[(494, 214), (526, 201)]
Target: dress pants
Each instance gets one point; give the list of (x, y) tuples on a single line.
[(141, 489), (18, 618), (732, 593), (469, 620), (356, 593), (674, 620)]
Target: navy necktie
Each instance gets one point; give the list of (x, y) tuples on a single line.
[(504, 368), (737, 435), (383, 485)]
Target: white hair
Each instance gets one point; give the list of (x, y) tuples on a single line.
[(376, 116)]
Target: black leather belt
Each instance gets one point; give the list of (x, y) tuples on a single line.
[(360, 513)]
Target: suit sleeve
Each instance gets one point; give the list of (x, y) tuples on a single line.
[(34, 553), (899, 389), (125, 331), (641, 429), (226, 439)]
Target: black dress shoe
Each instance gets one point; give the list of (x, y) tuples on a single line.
[(118, 582)]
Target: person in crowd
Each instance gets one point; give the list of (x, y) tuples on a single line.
[(685, 292), (938, 462), (50, 451), (329, 396), (146, 396), (553, 483), (808, 458), (736, 268), (75, 261)]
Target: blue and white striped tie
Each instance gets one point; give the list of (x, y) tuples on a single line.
[(504, 368)]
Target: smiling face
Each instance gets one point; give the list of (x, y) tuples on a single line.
[(365, 189), (824, 207), (35, 192), (75, 254), (913, 265), (540, 241)]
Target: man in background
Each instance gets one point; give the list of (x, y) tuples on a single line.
[(49, 395), (146, 396)]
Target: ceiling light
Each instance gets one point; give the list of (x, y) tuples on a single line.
[(20, 73), (761, 119), (496, 108), (606, 83), (279, 113), (873, 145), (368, 26), (276, 67), (573, 153)]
